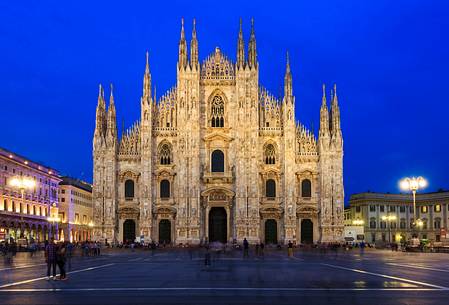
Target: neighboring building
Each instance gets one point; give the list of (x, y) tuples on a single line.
[(218, 158), (25, 218), (75, 210), (371, 208)]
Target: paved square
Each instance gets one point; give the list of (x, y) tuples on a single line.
[(175, 276)]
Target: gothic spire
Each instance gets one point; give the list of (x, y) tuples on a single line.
[(111, 119), (147, 80), (194, 47), (335, 111), (252, 54), (288, 87), (324, 115), (182, 55), (240, 48), (100, 117)]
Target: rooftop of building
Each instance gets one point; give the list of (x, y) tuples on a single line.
[(39, 166), (76, 183), (403, 197)]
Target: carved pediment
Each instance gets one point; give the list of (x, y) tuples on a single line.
[(165, 210), (218, 136), (165, 170), (218, 192), (128, 174)]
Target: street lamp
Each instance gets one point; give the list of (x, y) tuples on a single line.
[(413, 184), (358, 222), (22, 183), (389, 219), (53, 218)]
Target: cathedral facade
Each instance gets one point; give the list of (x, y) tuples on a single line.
[(218, 158)]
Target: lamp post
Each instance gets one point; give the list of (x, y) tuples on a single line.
[(22, 184), (413, 184), (53, 219), (389, 219)]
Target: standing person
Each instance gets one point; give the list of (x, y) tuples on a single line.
[(262, 246), (245, 248), (50, 258), (69, 250), (60, 259), (257, 250), (290, 248)]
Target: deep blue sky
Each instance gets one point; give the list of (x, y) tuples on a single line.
[(390, 60)]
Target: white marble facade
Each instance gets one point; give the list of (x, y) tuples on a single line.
[(218, 157)]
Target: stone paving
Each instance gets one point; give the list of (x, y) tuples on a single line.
[(179, 276)]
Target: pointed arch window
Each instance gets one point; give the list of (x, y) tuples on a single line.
[(217, 164), (306, 188), (165, 154), (217, 112), (129, 189), (165, 188), (270, 188), (270, 154)]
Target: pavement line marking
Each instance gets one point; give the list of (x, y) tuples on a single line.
[(135, 259), (387, 276), (418, 267), (210, 289), (44, 277), (21, 267)]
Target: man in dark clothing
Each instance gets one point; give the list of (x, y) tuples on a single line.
[(50, 258), (60, 259), (245, 248)]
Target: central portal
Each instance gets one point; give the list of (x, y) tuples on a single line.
[(218, 225)]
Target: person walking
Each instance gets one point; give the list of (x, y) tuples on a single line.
[(61, 259), (245, 248), (290, 248), (257, 250), (50, 258), (69, 250)]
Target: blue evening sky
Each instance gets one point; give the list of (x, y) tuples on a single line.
[(390, 60)]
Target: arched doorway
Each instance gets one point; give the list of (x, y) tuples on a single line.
[(218, 225), (271, 232), (129, 231), (164, 231), (306, 231)]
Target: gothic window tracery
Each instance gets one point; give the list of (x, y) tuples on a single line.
[(270, 154), (165, 154), (217, 112)]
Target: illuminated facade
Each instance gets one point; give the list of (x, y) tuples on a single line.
[(75, 210), (24, 218), (218, 158), (374, 208)]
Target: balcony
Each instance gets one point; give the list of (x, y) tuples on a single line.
[(213, 177)]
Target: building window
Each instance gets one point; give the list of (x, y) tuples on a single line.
[(437, 223), (357, 209), (373, 237), (34, 210), (382, 208), (372, 208), (62, 191), (437, 208), (129, 189), (402, 223), (372, 223), (392, 208), (270, 188), (3, 205), (383, 225), (165, 188), (393, 225), (77, 217), (63, 199), (165, 154), (424, 209), (217, 112), (217, 165), (270, 154), (306, 188), (402, 209)]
